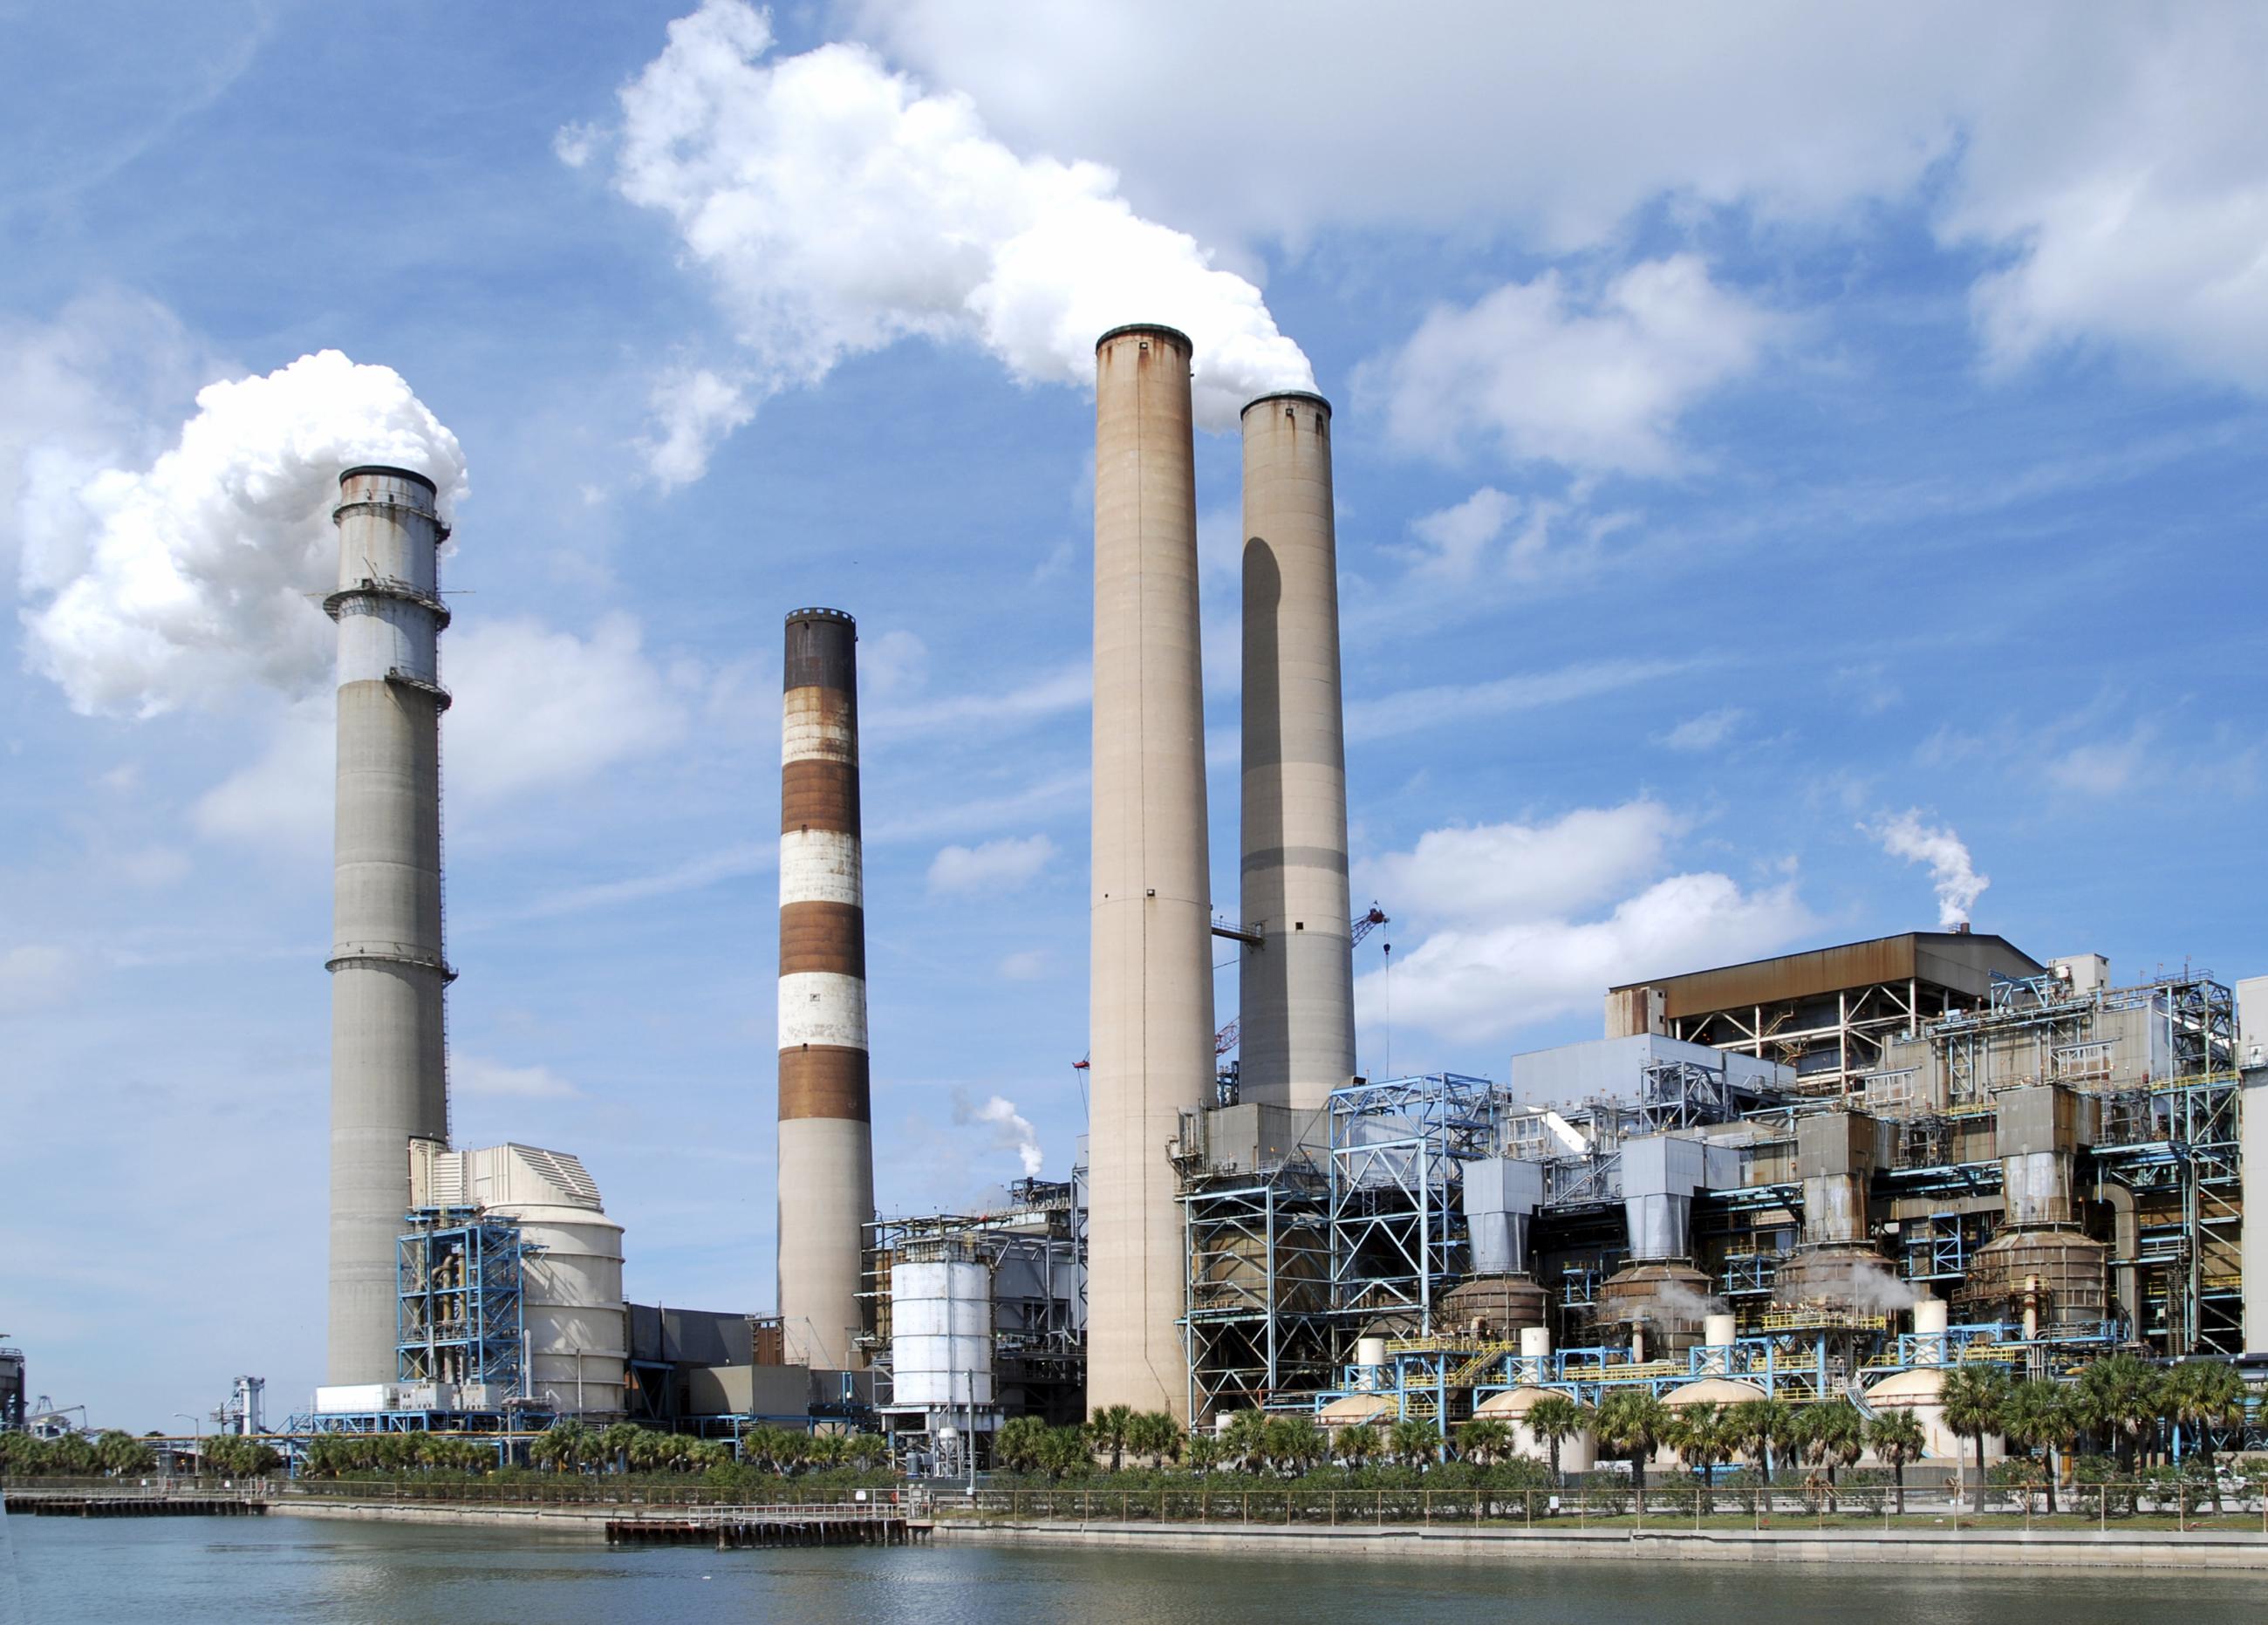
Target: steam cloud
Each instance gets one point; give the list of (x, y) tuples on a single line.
[(1011, 1131), (840, 207), (179, 583), (1865, 1285), (1958, 884)]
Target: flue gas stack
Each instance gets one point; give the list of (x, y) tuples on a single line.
[(388, 1067), (826, 1144), (1150, 1008)]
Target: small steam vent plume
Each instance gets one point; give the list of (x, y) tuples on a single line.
[(388, 1079), (1296, 986), (826, 1148), (1951, 872), (1150, 996)]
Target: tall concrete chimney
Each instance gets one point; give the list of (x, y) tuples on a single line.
[(1149, 1010), (1296, 986), (826, 1145), (389, 1082)]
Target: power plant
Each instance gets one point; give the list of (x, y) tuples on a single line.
[(1846, 1171)]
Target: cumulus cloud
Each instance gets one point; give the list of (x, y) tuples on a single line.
[(1456, 537), (535, 708), (182, 583), (1958, 884), (994, 866), (476, 1075), (839, 206), (1594, 383), (2111, 174), (694, 410), (1011, 1129), (1525, 923), (1408, 711)]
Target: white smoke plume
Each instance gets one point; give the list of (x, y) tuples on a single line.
[(1958, 884), (179, 583), (841, 207), (1679, 1301), (1864, 1285), (1011, 1131)]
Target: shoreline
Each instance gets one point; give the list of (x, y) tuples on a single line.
[(2224, 1551)]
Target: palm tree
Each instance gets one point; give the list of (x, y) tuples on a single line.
[(559, 1444), (118, 1453), (1110, 1426), (1154, 1434), (1066, 1450), (1294, 1443), (1357, 1444), (2203, 1395), (1245, 1439), (1484, 1441), (1017, 1445), (1702, 1437), (1972, 1398), (2036, 1415), (2123, 1396), (869, 1451), (1555, 1417), (1205, 1453), (1413, 1441), (1633, 1421), (1760, 1427), (1898, 1438), (614, 1441)]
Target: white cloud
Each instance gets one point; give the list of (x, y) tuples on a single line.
[(1707, 731), (694, 410), (35, 977), (1521, 870), (535, 708), (1066, 688), (1456, 537), (195, 576), (993, 867), (475, 1075), (2103, 767), (2112, 168), (1011, 1129), (1479, 981), (1411, 709), (1958, 884), (838, 208), (1594, 384), (895, 662)]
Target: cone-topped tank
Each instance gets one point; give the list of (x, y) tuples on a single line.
[(388, 1069), (1295, 985), (1149, 1010)]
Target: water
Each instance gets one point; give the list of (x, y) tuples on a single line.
[(246, 1569)]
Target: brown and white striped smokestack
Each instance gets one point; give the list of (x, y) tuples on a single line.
[(826, 1146)]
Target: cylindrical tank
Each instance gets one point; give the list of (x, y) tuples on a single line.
[(1534, 1341), (1296, 985), (1370, 1352), (1492, 1306), (1718, 1331), (941, 1332), (1665, 1300), (1149, 967), (826, 1163), (1235, 1272), (1846, 1277), (1930, 1316), (573, 1303), (388, 1080), (2073, 1279)]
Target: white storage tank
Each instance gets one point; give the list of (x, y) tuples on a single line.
[(941, 1332), (572, 1297)]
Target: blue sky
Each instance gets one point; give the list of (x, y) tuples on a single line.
[(1791, 463)]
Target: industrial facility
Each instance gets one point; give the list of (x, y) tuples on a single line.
[(1842, 1171)]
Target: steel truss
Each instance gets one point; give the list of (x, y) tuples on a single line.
[(1397, 1235), (460, 1314), (1258, 1289)]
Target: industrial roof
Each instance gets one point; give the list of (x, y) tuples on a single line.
[(1963, 961)]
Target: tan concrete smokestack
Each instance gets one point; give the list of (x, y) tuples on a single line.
[(388, 1069), (1296, 986), (826, 1147), (1151, 990)]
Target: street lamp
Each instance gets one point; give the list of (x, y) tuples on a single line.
[(198, 1431)]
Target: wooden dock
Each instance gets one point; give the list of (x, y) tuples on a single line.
[(727, 1527), (135, 1507)]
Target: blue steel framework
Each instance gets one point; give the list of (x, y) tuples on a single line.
[(1397, 1232), (461, 1314), (1253, 1322)]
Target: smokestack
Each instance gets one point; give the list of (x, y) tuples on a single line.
[(389, 1081), (826, 1145), (1296, 986), (1150, 1012)]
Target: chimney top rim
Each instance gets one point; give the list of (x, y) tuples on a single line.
[(1157, 329), (388, 469), (1308, 395)]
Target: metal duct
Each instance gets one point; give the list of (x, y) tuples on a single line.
[(1659, 1175), (1501, 1197)]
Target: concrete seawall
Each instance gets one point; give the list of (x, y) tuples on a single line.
[(1982, 1548), (581, 1522)]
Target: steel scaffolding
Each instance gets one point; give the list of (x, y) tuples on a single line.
[(1255, 1325), (1397, 1148), (461, 1314)]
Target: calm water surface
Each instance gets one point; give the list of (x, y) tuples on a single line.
[(183, 1570)]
